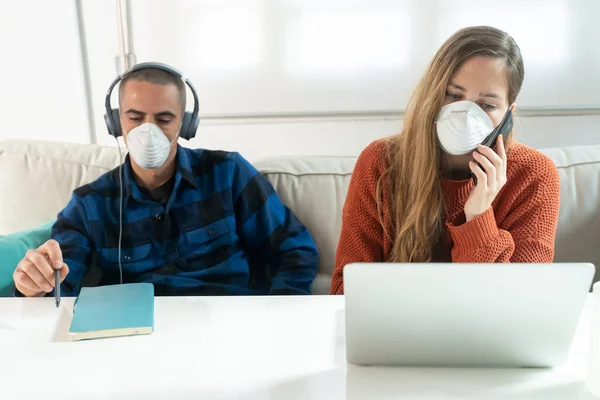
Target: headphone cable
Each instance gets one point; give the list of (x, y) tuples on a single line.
[(120, 210)]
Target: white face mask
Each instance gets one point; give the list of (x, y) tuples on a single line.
[(148, 146), (461, 126)]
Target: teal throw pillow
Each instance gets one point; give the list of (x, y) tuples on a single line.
[(13, 248)]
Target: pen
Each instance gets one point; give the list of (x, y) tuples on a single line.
[(57, 287)]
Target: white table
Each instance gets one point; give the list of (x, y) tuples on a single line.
[(241, 348)]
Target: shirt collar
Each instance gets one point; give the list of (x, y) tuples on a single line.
[(182, 168)]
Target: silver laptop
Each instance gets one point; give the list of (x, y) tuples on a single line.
[(508, 315)]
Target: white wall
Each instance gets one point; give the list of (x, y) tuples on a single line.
[(281, 57), (42, 74)]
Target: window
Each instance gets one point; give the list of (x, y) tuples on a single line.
[(333, 41), (540, 28)]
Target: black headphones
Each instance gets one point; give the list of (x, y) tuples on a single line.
[(189, 124)]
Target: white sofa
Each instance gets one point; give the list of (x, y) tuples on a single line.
[(37, 179)]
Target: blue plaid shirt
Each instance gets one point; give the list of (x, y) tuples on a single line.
[(223, 231)]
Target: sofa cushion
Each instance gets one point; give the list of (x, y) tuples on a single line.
[(578, 234), (315, 189), (42, 176)]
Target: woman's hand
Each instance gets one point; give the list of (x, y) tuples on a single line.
[(490, 179)]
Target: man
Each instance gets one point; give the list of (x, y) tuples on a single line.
[(194, 222)]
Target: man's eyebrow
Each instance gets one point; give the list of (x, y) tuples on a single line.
[(165, 114), (134, 111)]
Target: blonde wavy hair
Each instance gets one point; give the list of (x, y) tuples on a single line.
[(412, 179)]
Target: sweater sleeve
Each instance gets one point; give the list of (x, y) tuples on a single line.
[(525, 234), (361, 238)]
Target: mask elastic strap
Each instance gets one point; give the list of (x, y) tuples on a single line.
[(178, 134)]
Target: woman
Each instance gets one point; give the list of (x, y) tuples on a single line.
[(430, 194)]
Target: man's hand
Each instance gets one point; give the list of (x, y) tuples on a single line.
[(34, 275)]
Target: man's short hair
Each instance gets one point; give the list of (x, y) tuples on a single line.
[(157, 76)]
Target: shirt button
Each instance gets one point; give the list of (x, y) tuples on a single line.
[(158, 216), (212, 232), (127, 257), (171, 250)]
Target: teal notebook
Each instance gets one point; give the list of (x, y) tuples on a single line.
[(114, 310)]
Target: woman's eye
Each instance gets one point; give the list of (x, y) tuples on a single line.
[(163, 121), (489, 107), (453, 96), (135, 119)]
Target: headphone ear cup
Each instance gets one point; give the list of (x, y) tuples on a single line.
[(188, 127), (113, 122), (109, 124), (194, 127), (116, 117)]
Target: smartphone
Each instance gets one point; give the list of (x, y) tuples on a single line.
[(503, 128)]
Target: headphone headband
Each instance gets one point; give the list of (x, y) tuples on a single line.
[(190, 121)]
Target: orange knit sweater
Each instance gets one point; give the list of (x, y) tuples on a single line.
[(519, 227)]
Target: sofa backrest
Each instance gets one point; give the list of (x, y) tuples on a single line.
[(38, 179), (315, 189), (578, 233)]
